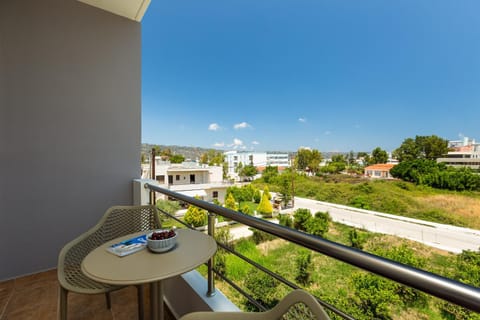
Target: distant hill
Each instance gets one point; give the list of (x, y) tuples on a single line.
[(194, 153), (190, 153)]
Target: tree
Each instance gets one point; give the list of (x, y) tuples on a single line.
[(300, 218), (285, 220), (257, 196), (244, 208), (195, 216), (379, 156), (212, 158), (377, 296), (248, 171), (269, 174), (265, 207), (223, 236), (338, 163), (177, 158), (230, 202), (263, 288), (319, 224), (422, 147), (307, 159), (304, 267), (284, 183), (266, 191), (351, 158)]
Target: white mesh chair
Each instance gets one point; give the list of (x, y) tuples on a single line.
[(298, 304), (116, 222)]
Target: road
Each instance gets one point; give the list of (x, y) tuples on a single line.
[(441, 236)]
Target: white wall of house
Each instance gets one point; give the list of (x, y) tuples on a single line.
[(258, 159)]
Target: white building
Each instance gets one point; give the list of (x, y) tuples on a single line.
[(189, 178), (260, 160), (463, 153)]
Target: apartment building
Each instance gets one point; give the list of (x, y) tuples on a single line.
[(260, 160), (463, 153)]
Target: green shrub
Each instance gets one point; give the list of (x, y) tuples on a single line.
[(195, 216), (245, 208), (265, 207), (261, 236), (300, 217), (360, 202), (285, 220), (357, 239), (304, 267), (319, 224), (263, 288)]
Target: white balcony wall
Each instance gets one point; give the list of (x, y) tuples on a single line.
[(70, 125)]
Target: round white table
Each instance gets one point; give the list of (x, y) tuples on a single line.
[(192, 249)]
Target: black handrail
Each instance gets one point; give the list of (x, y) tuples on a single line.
[(433, 284)]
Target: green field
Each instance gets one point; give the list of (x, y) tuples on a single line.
[(391, 196), (331, 280)]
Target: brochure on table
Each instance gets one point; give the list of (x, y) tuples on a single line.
[(128, 246)]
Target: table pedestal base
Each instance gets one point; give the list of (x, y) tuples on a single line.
[(156, 300)]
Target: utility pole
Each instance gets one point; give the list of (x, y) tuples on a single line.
[(152, 176), (293, 182)]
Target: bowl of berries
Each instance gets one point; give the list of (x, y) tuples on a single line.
[(161, 240)]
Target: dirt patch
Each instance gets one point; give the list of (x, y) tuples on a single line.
[(266, 246), (466, 207)]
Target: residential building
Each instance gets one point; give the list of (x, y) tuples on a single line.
[(189, 178), (463, 153), (379, 171), (259, 160)]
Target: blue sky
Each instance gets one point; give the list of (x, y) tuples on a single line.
[(333, 75)]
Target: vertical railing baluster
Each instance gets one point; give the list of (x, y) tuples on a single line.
[(211, 232)]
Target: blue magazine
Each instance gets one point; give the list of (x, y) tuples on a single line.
[(128, 246)]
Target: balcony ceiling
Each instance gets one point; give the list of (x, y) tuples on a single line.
[(131, 9)]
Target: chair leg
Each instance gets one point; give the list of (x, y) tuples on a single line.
[(109, 301), (62, 304), (140, 301)]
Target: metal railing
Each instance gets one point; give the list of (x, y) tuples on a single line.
[(435, 285)]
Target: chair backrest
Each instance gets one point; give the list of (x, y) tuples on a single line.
[(122, 220), (298, 304), (116, 222)]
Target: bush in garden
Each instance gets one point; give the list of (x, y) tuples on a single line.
[(319, 224), (300, 217), (261, 236), (304, 267), (357, 239), (262, 288), (285, 220), (246, 209), (230, 202), (265, 208), (195, 216), (257, 196)]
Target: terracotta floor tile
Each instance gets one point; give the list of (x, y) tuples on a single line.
[(36, 297), (6, 292)]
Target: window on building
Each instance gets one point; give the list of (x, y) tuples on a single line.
[(170, 179), (215, 194), (192, 178), (177, 177)]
